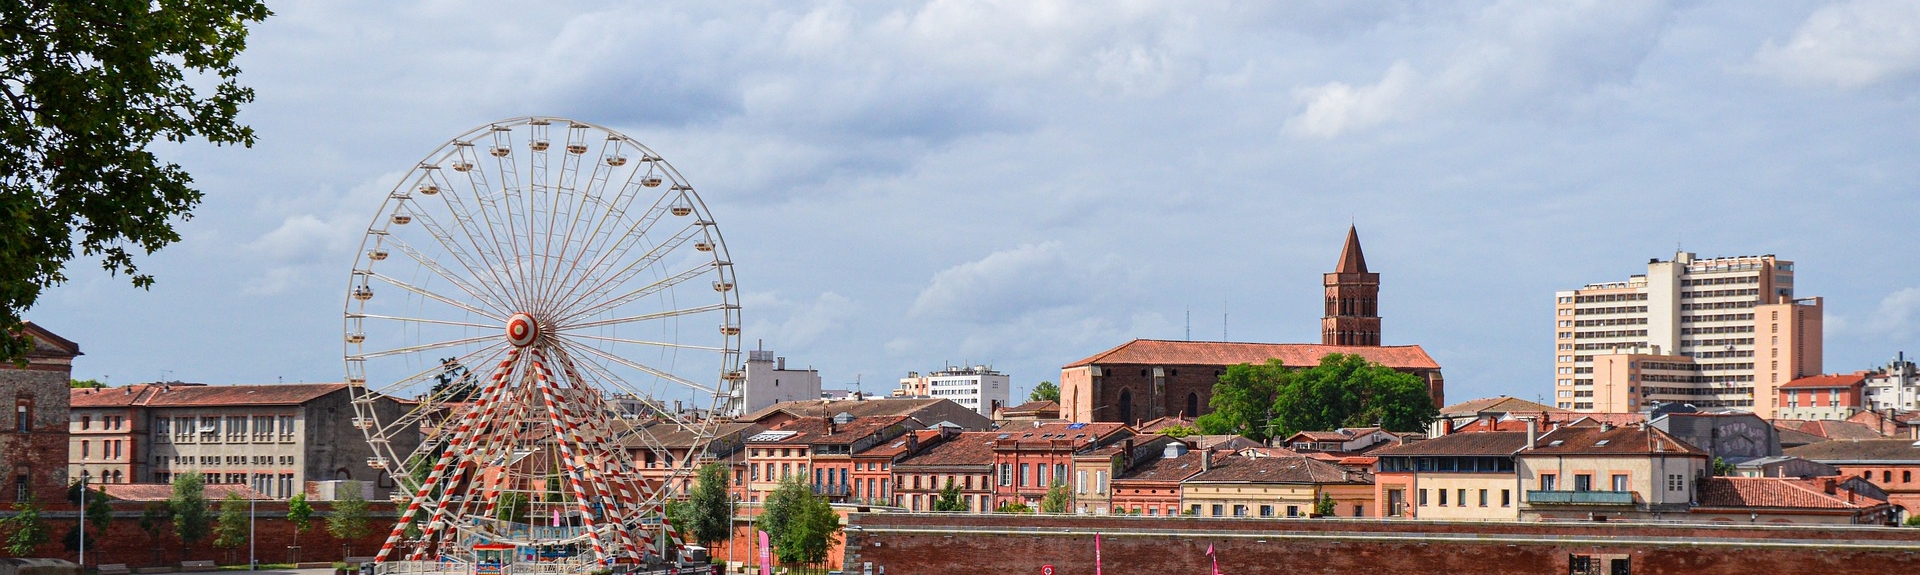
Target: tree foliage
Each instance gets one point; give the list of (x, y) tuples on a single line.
[(454, 382), (153, 519), (349, 520), (1721, 468), (25, 530), (85, 384), (1013, 507), (710, 508), (1324, 507), (1179, 431), (99, 510), (1271, 400), (1058, 499), (188, 506), (1243, 400), (801, 526), (1045, 391), (86, 89), (300, 514), (784, 504), (949, 499), (231, 530)]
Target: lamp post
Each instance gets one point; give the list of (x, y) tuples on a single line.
[(83, 520)]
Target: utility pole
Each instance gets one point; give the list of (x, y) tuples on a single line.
[(83, 521)]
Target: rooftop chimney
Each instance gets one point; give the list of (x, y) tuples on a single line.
[(1446, 426), (1533, 432), (1206, 459)]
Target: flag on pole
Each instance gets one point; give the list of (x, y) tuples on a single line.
[(1216, 559), (766, 555), (1096, 554)]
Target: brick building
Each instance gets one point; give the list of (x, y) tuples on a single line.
[(1890, 464), (1778, 500), (1274, 487), (1589, 470), (873, 468), (1830, 396), (33, 443), (107, 435), (1153, 488), (1465, 475), (966, 459), (1028, 459), (818, 448), (274, 438), (1094, 469)]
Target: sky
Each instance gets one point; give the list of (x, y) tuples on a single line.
[(904, 186)]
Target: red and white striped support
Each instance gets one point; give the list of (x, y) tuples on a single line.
[(564, 426), (461, 435), (489, 408)]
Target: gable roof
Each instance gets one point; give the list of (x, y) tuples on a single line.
[(48, 344), (162, 491), (1156, 424), (1485, 443), (972, 448), (1777, 493), (1828, 380), (1283, 469), (1599, 440), (1033, 408), (1083, 435), (928, 411), (1498, 404), (1168, 352), (1859, 450), (197, 395), (1836, 429), (124, 396), (822, 431), (1174, 469)]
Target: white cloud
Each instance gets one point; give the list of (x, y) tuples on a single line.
[(1897, 318), (1849, 45), (1337, 107), (1012, 283)]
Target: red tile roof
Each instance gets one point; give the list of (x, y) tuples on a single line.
[(1167, 352), (1287, 469), (1624, 440), (1174, 469), (1044, 433), (815, 430), (1827, 381), (1495, 443), (1033, 408), (903, 444), (1778, 493), (1833, 429), (1156, 424), (215, 395), (49, 344), (1352, 261), (972, 448), (125, 396), (1500, 404)]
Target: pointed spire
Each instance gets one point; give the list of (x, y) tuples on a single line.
[(1351, 260)]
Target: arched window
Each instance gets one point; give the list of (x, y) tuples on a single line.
[(1126, 406), (1193, 404)]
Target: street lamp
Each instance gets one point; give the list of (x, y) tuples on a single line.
[(83, 519)]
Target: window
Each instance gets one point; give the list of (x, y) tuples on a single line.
[(1218, 509), (1886, 476), (1059, 472), (1443, 497), (22, 418), (86, 449), (1026, 474), (1546, 481), (1462, 500), (1195, 509), (1620, 482), (1583, 482), (1006, 474), (1266, 511), (1506, 498), (20, 488), (162, 428), (1359, 510), (286, 428), (1676, 482), (1239, 511), (1423, 498), (1101, 481), (262, 428), (1483, 498), (1080, 482), (1906, 477), (86, 422), (1293, 511), (237, 430)]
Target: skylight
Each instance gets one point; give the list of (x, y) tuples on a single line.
[(1599, 443)]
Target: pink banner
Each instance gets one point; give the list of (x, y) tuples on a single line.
[(766, 555), (1096, 554)]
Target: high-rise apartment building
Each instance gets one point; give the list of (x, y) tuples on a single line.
[(979, 388), (1719, 332), (769, 382)]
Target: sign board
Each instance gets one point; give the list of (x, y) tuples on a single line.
[(1046, 570)]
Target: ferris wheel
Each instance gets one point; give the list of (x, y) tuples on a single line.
[(533, 308)]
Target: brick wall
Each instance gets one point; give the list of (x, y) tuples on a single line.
[(969, 545), (126, 543)]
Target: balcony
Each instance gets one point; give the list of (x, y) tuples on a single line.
[(830, 490), (1580, 497)]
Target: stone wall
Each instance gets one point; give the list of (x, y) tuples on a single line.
[(969, 545), (39, 454), (272, 534)]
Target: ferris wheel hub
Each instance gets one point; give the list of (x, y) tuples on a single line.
[(522, 330)]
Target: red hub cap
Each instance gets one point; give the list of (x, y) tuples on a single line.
[(522, 330)]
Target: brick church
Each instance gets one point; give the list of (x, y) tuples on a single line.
[(1146, 379), (33, 442)]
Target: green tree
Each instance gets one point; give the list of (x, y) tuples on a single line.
[(153, 519), (1349, 391), (1721, 468), (231, 530), (1324, 507), (1013, 507), (1913, 521), (949, 499), (810, 533), (300, 514), (710, 508), (88, 88), (514, 508), (25, 530), (1058, 498), (85, 384), (784, 504), (99, 510), (1243, 400), (1045, 391), (188, 505), (349, 520)]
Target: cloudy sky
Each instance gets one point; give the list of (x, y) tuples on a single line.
[(1027, 183)]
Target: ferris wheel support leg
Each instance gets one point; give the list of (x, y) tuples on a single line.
[(628, 497), (516, 412), (567, 453), (488, 407), (439, 467)]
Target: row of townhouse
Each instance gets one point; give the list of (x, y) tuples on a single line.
[(1588, 470)]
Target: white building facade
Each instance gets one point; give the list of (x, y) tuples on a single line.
[(769, 382), (1895, 386), (979, 388)]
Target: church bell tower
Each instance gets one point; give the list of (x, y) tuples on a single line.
[(1353, 305)]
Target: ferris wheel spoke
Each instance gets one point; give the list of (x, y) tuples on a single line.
[(491, 298), (497, 225), (573, 369), (423, 347), (437, 297), (610, 256), (644, 342), (421, 320), (643, 291), (648, 316), (485, 251), (642, 368), (646, 261)]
